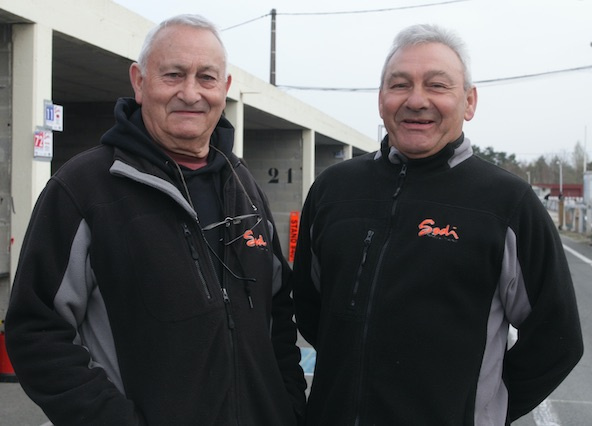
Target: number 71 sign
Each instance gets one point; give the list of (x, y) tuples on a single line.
[(43, 147)]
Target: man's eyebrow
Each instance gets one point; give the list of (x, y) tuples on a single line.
[(213, 68), (398, 74), (439, 73), (428, 75), (184, 67), (171, 66), (433, 73)]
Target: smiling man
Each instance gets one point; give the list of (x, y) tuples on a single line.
[(424, 100), (413, 261), (151, 287)]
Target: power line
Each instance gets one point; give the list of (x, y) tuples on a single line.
[(330, 89), (351, 12), (246, 22), (520, 77), (483, 82)]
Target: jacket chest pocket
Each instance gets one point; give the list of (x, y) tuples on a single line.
[(350, 296), (173, 280), (353, 300)]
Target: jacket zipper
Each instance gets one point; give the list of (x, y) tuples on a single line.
[(228, 308), (195, 257), (367, 242), (225, 296), (362, 376), (233, 351), (231, 325), (231, 332)]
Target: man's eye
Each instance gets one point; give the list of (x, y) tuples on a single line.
[(399, 85), (172, 75)]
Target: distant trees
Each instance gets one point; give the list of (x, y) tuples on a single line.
[(501, 159), (544, 169)]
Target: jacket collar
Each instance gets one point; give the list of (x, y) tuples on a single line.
[(448, 157)]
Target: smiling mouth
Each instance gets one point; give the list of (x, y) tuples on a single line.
[(418, 121)]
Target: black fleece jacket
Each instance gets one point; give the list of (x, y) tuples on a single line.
[(406, 277), (120, 313)]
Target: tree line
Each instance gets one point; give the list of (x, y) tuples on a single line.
[(545, 169)]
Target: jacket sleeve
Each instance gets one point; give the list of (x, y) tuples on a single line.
[(549, 341), (305, 278), (44, 346), (283, 331)]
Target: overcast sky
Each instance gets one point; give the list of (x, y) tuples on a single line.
[(317, 47)]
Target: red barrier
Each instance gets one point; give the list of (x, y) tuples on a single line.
[(6, 370), (294, 220)]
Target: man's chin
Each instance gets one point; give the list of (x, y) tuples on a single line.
[(190, 133)]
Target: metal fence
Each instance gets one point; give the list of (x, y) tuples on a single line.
[(574, 216)]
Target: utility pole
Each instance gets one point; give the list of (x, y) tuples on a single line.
[(585, 147), (560, 178), (272, 59), (561, 202)]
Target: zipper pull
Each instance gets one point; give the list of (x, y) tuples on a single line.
[(228, 308), (403, 171), (402, 175), (248, 292), (367, 242), (187, 233)]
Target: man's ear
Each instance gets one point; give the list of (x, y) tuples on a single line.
[(228, 83), (471, 103), (136, 79)]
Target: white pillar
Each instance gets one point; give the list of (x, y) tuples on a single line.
[(308, 160), (32, 53), (235, 113), (348, 152)]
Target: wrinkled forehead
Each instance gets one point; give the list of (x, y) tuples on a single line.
[(425, 59), (184, 41), (423, 55)]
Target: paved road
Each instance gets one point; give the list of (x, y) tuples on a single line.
[(16, 409), (569, 405)]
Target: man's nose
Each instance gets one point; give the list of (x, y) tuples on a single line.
[(190, 91), (418, 99)]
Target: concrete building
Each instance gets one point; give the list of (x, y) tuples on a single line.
[(76, 54)]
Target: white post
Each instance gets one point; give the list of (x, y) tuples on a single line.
[(561, 198), (585, 137), (308, 160), (235, 113), (560, 179), (348, 152), (32, 44)]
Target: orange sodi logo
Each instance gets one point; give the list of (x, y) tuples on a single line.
[(427, 228), (252, 241)]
